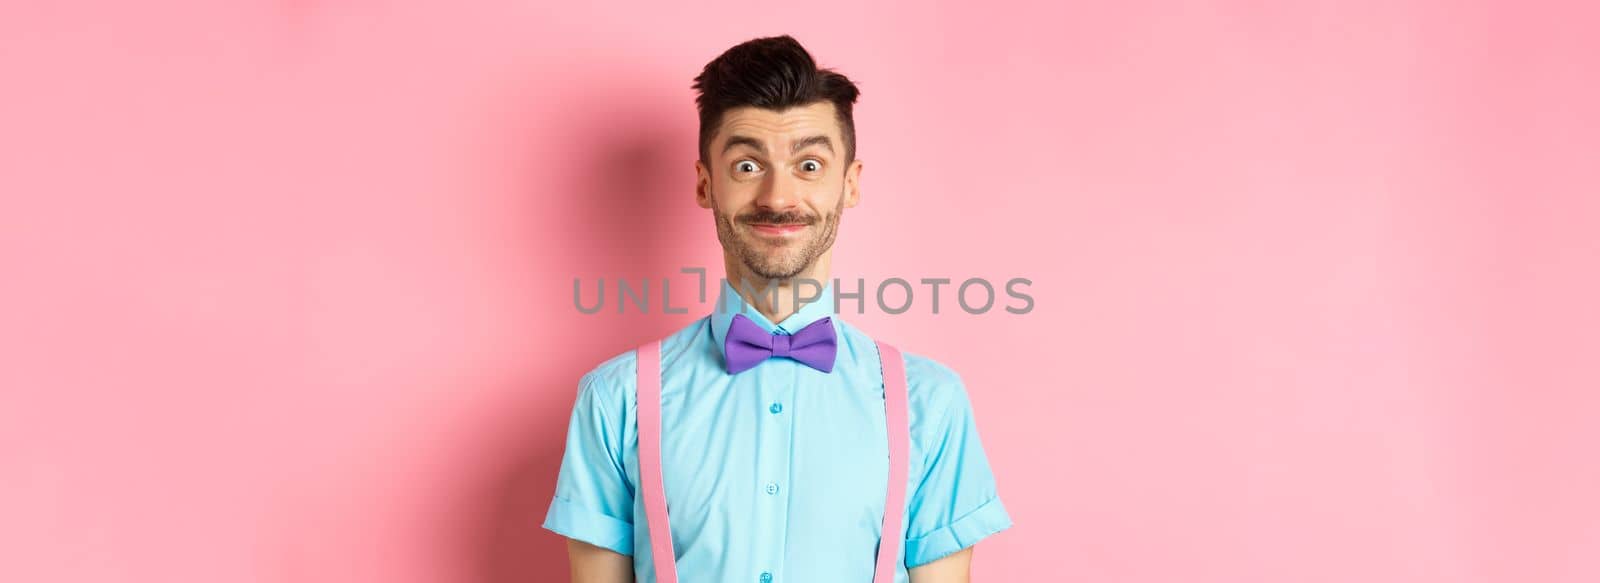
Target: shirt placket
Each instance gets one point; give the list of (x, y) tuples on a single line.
[(778, 380)]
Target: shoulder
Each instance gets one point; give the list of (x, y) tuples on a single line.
[(615, 379), (611, 383), (933, 387), (929, 373)]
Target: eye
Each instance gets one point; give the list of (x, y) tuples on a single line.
[(811, 165), (746, 166)]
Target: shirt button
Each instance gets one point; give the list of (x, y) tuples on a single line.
[(776, 408), (766, 577), (772, 488)]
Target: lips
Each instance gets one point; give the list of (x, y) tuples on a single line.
[(777, 230)]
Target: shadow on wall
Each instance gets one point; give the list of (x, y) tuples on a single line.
[(619, 194)]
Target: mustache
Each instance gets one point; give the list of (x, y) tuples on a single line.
[(776, 218)]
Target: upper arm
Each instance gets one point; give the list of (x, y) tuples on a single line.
[(953, 568), (594, 496), (955, 502), (592, 564)]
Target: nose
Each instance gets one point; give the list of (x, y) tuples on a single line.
[(778, 192)]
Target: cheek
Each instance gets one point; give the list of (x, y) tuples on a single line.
[(728, 198), (827, 195), (732, 194)]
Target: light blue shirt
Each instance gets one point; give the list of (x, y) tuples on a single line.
[(775, 474)]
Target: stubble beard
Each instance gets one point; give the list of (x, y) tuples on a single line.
[(791, 259)]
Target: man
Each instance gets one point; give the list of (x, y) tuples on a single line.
[(774, 466)]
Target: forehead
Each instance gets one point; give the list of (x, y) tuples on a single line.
[(778, 129)]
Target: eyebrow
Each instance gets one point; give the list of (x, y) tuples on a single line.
[(756, 145)]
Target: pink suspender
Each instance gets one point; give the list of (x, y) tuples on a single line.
[(894, 403), (655, 495)]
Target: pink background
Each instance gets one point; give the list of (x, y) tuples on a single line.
[(288, 285)]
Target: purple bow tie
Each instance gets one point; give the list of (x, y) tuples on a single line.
[(747, 345)]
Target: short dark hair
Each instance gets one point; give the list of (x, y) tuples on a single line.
[(773, 73)]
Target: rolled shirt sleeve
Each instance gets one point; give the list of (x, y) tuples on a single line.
[(955, 502), (594, 498)]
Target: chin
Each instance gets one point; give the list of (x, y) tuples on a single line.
[(781, 270)]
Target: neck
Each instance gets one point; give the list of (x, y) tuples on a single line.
[(780, 303)]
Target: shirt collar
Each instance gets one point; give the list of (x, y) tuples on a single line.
[(730, 303)]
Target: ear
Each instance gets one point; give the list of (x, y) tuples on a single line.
[(852, 183), (702, 185)]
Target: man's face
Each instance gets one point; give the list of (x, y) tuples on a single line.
[(777, 183)]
